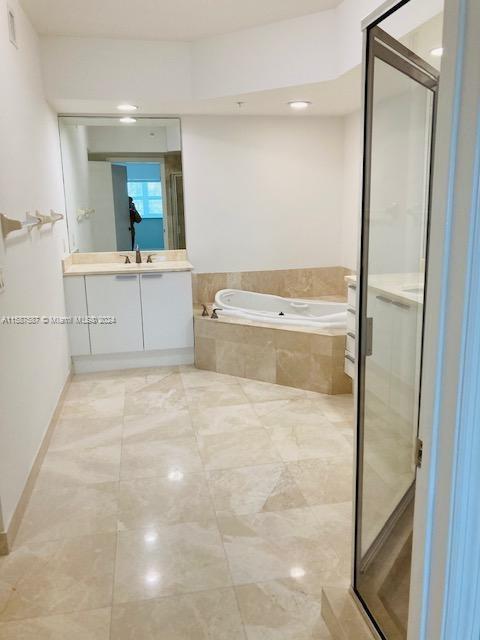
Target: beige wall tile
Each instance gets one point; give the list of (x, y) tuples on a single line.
[(205, 354), (293, 283)]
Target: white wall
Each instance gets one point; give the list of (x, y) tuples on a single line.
[(129, 139), (75, 174), (352, 188), (34, 358), (101, 199), (262, 193)]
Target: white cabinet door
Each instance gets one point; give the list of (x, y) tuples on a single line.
[(76, 305), (118, 296), (167, 310)]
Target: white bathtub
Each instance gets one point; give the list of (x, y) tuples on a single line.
[(263, 307)]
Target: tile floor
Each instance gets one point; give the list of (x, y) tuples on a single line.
[(182, 504)]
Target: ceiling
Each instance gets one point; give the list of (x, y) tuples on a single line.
[(183, 20)]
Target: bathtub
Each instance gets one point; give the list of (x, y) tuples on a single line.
[(263, 307)]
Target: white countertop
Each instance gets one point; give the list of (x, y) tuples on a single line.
[(399, 286), (108, 263)]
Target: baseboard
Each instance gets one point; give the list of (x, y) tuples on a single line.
[(113, 361), (7, 537)]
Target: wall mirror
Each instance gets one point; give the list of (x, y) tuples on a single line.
[(123, 183)]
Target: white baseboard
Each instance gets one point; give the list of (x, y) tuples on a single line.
[(139, 359)]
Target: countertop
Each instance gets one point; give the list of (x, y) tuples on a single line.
[(112, 263), (397, 286)]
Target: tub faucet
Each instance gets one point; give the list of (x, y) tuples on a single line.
[(205, 311), (214, 315)]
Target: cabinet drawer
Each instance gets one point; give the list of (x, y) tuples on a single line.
[(167, 310), (117, 296), (352, 295), (349, 365), (350, 344), (351, 320)]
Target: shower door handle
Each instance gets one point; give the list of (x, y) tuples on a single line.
[(368, 336)]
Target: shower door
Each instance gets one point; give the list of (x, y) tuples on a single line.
[(399, 123)]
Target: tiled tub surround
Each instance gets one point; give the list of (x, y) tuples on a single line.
[(301, 358), (182, 504), (297, 357), (318, 282)]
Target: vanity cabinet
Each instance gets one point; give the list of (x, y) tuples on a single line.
[(167, 310), (117, 296), (152, 311)]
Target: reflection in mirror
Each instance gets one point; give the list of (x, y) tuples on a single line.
[(123, 183)]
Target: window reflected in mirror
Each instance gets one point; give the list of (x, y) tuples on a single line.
[(123, 183)]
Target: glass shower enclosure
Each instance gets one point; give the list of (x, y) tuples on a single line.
[(400, 102)]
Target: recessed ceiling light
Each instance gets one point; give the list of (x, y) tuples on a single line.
[(127, 107), (299, 104), (127, 120), (438, 52)]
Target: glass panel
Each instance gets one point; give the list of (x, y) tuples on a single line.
[(155, 207), (399, 184), (135, 189), (154, 189), (139, 206)]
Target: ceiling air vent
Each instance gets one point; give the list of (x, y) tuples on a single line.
[(12, 32)]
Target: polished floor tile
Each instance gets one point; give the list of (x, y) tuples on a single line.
[(224, 419), (149, 502), (86, 433), (85, 625), (66, 512), (324, 480), (158, 425), (192, 377), (268, 487), (159, 458), (265, 546), (209, 615), (103, 407), (156, 396), (59, 577), (298, 411), (183, 504), (74, 467), (181, 558), (282, 609), (300, 442), (215, 395), (237, 449), (265, 391)]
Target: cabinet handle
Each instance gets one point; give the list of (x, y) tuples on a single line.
[(349, 358), (350, 334), (352, 286), (352, 311), (152, 275), (130, 276), (400, 305), (384, 299)]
